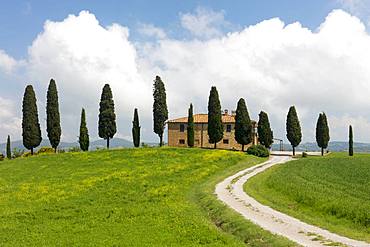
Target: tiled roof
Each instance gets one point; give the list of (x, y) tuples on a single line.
[(203, 118)]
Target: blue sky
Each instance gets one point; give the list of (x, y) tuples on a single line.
[(311, 54), (21, 21)]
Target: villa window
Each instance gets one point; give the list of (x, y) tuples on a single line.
[(226, 141), (182, 127), (181, 141), (228, 128)]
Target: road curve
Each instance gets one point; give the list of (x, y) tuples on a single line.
[(230, 191)]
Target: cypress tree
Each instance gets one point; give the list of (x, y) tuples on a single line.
[(31, 131), (136, 129), (322, 132), (160, 112), (107, 117), (52, 115), (265, 133), (215, 126), (8, 148), (83, 139), (350, 144), (190, 128), (293, 128), (243, 125)]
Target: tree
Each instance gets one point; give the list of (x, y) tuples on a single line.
[(8, 148), (136, 129), (190, 128), (215, 126), (107, 117), (160, 112), (31, 131), (293, 128), (52, 115), (350, 144), (265, 134), (83, 139), (322, 132), (243, 125)]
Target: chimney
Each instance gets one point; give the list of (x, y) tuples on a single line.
[(226, 112)]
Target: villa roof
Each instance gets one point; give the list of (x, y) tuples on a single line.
[(203, 118)]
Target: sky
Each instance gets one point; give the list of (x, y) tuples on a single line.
[(311, 54)]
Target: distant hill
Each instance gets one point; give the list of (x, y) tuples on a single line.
[(114, 143), (335, 146)]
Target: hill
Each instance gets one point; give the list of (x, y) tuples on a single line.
[(334, 146), (124, 197)]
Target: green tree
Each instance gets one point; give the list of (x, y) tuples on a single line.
[(107, 117), (160, 111), (293, 128), (31, 131), (8, 148), (322, 132), (136, 129), (83, 139), (243, 125), (190, 128), (215, 126), (52, 115), (350, 144), (265, 134)]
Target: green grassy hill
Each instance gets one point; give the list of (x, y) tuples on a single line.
[(332, 192), (128, 197)]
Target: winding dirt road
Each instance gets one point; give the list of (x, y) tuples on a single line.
[(231, 192)]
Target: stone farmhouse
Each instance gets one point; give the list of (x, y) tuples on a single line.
[(177, 132)]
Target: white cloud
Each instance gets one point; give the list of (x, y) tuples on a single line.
[(360, 8), (7, 63), (82, 56), (10, 123), (205, 23), (273, 66), (151, 31)]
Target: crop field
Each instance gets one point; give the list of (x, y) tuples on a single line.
[(127, 197), (332, 192)]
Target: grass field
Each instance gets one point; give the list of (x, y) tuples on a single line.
[(332, 192), (128, 197)]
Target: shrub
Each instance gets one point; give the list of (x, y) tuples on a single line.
[(45, 150), (27, 154), (17, 153), (2, 157), (258, 150), (74, 149), (61, 151), (304, 155)]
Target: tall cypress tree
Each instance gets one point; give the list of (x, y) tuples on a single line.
[(243, 125), (83, 139), (52, 115), (190, 128), (31, 131), (107, 117), (293, 128), (160, 111), (8, 148), (322, 132), (215, 126), (136, 129), (265, 134), (350, 143)]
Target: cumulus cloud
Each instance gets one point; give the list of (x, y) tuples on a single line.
[(204, 23), (360, 8), (82, 56), (7, 63), (10, 123), (271, 64)]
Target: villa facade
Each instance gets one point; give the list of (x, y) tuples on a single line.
[(177, 132)]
